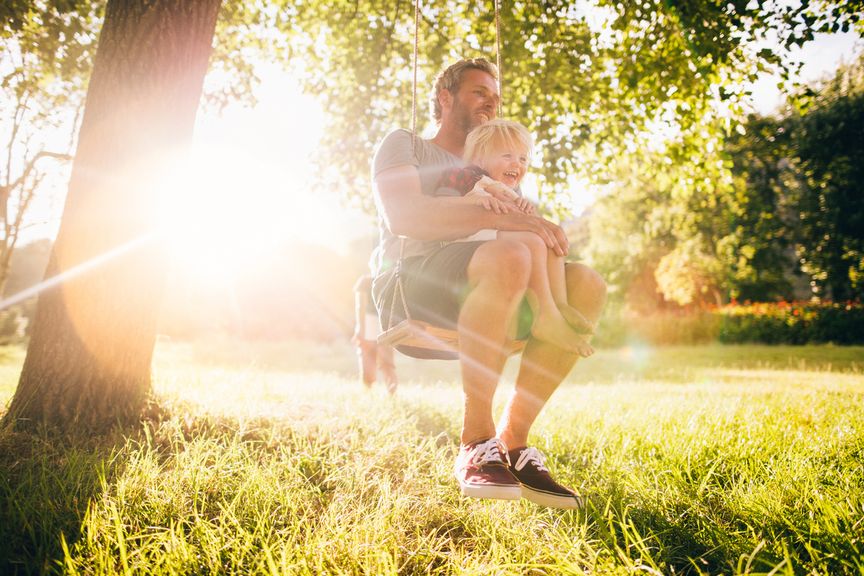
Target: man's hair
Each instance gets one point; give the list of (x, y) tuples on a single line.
[(451, 78), (492, 134)]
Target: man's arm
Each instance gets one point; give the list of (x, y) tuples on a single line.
[(409, 212)]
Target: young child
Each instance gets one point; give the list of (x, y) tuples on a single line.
[(497, 153), (375, 360)]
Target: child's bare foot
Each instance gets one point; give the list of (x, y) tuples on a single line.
[(387, 373), (575, 318), (558, 332)]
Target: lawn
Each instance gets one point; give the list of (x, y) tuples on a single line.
[(273, 459)]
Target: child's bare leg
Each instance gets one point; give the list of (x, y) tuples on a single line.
[(558, 287), (387, 368), (549, 323)]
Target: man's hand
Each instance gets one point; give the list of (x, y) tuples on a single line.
[(552, 234)]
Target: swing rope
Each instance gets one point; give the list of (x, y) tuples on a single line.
[(432, 337), (414, 81), (498, 56), (398, 271)]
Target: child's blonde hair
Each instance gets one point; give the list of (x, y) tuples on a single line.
[(486, 137)]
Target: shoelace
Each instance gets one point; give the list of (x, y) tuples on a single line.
[(534, 456), (491, 451)]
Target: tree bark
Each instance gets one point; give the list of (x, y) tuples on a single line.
[(88, 362)]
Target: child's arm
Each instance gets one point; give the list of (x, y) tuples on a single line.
[(502, 192), (485, 200), (495, 189)]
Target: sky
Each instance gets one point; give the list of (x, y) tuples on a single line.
[(821, 58)]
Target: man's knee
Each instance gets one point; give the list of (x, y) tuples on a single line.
[(533, 241), (505, 262), (584, 282)]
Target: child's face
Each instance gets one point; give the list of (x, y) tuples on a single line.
[(506, 163)]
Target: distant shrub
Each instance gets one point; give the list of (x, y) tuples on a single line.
[(12, 325), (665, 328), (767, 323), (792, 323)]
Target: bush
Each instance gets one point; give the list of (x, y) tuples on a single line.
[(767, 323), (12, 326), (664, 328), (792, 323)]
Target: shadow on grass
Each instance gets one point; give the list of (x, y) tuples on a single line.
[(46, 485)]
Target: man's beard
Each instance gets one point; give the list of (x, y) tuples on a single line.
[(465, 119)]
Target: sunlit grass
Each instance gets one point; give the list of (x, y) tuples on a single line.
[(273, 459)]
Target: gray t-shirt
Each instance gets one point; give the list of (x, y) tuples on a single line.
[(431, 161)]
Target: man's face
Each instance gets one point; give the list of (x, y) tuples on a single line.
[(475, 102)]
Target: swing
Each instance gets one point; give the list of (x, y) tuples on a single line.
[(413, 337)]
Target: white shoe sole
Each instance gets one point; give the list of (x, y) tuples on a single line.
[(487, 491), (551, 500)]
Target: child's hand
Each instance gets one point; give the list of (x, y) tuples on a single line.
[(493, 204), (495, 188), (525, 206)]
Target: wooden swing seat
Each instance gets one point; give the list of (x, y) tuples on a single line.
[(416, 334)]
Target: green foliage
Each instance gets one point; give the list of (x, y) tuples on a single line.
[(662, 227), (589, 80), (795, 323), (761, 217), (43, 74), (829, 156), (246, 33), (666, 328), (693, 460), (781, 198), (59, 34)]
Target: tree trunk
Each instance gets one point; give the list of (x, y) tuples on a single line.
[(88, 363)]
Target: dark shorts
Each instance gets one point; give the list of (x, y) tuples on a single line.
[(435, 287)]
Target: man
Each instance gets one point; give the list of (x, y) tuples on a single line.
[(475, 286)]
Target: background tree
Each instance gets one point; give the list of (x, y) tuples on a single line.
[(44, 73), (88, 362), (48, 50), (759, 250), (782, 199), (828, 141)]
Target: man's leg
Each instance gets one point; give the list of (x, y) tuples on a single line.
[(545, 366), (498, 277), (542, 370)]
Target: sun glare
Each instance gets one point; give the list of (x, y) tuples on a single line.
[(244, 190)]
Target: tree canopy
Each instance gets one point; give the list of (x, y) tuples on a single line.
[(592, 80)]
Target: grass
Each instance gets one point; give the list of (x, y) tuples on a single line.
[(272, 459)]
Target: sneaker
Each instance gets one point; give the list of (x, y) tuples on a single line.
[(529, 467), (483, 471)]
